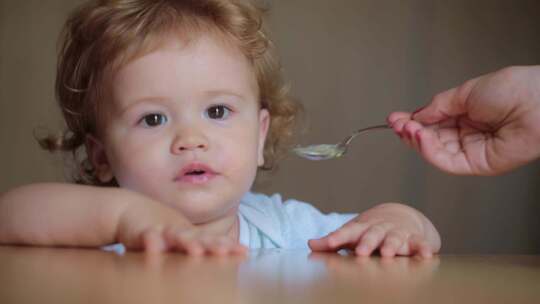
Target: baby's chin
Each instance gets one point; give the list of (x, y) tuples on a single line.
[(203, 209), (205, 217)]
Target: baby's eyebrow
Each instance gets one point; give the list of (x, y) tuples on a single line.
[(224, 92), (144, 100)]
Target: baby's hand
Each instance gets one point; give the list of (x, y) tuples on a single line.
[(188, 241), (153, 227), (394, 229)]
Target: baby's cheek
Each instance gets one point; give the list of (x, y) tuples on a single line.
[(138, 179), (140, 172), (244, 169)]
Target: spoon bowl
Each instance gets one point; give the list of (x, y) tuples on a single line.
[(330, 151)]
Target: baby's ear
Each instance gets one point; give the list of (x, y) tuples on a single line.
[(98, 159), (264, 124)]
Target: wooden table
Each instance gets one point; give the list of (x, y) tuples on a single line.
[(52, 275)]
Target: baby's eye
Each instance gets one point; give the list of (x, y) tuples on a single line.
[(219, 112), (153, 120)]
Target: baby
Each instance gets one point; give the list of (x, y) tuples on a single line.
[(171, 107)]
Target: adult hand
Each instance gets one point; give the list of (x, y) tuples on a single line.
[(487, 126)]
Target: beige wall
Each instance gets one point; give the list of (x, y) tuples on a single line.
[(351, 62)]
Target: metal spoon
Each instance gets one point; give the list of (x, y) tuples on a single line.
[(327, 151)]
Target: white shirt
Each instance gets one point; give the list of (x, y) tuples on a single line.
[(270, 222)]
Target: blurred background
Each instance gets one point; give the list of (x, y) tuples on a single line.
[(350, 62)]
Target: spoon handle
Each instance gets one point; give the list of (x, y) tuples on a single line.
[(355, 133), (371, 128)]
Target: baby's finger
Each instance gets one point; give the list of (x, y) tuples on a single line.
[(183, 241), (235, 248), (393, 241), (215, 245), (419, 246), (371, 239), (319, 245), (347, 234), (221, 246), (331, 242), (152, 241), (239, 249)]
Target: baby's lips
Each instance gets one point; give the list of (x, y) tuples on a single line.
[(195, 167)]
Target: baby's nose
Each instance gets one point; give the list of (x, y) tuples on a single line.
[(189, 141)]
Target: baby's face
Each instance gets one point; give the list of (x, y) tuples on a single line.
[(187, 128)]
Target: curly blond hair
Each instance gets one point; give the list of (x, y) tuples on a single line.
[(103, 35)]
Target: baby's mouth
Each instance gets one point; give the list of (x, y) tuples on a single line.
[(196, 174)]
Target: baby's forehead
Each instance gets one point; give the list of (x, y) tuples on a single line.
[(178, 37), (182, 41), (180, 67)]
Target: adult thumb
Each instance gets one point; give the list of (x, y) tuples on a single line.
[(443, 106), (446, 105)]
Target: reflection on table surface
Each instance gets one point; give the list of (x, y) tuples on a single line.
[(54, 275)]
